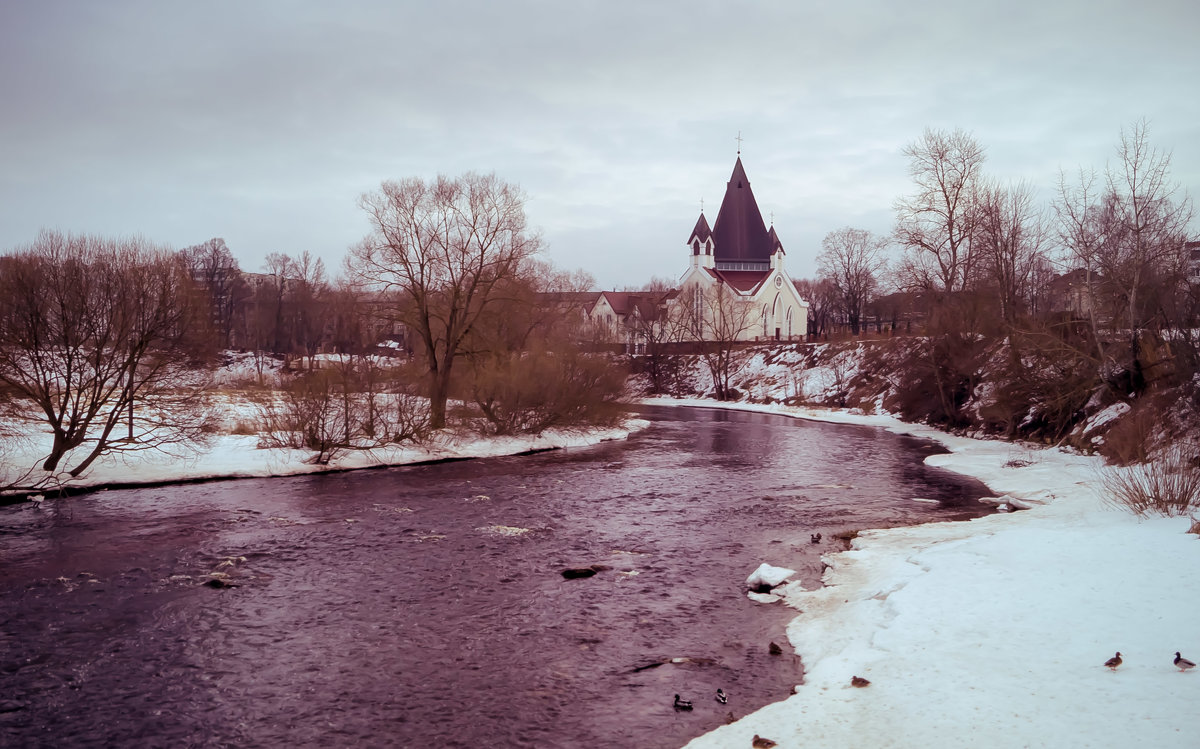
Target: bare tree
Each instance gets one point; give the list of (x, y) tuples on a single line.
[(852, 260), (1152, 218), (214, 269), (95, 334), (716, 318), (446, 248), (273, 294), (1012, 234), (655, 329), (1082, 230), (1130, 234), (936, 223), (308, 294), (821, 298)]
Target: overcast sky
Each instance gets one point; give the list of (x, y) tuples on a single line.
[(263, 122)]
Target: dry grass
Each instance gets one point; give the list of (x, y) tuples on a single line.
[(1168, 485)]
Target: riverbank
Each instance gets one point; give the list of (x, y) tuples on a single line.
[(994, 632), (232, 456)]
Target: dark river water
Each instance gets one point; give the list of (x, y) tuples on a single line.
[(425, 606)]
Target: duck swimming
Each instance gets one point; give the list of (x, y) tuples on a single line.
[(681, 704), (724, 698)]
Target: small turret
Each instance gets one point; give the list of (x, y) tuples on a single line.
[(701, 244), (777, 252)]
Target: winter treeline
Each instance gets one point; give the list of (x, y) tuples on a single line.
[(443, 316)]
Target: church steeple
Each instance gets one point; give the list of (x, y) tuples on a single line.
[(776, 245), (701, 233), (701, 243), (740, 234)]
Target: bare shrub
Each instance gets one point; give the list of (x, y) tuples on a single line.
[(243, 427), (1168, 485), (344, 407), (408, 419), (940, 373), (306, 414), (536, 390), (1041, 381)]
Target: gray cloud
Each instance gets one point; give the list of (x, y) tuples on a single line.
[(263, 122)]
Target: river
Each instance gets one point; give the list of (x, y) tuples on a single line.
[(426, 605)]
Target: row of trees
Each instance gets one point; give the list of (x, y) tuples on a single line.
[(1098, 288), (107, 344), (965, 235)]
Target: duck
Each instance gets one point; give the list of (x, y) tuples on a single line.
[(858, 681), (1183, 663), (682, 704), (761, 743), (1113, 662), (814, 538), (724, 698)]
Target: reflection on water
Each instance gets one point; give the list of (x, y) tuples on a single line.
[(425, 605)]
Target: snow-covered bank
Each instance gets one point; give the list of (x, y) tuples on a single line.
[(994, 632), (238, 456)]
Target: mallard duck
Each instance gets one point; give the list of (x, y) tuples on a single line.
[(858, 681), (1183, 663), (1113, 662), (814, 538), (724, 698), (681, 704), (760, 743)]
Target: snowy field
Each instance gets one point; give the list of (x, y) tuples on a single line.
[(235, 452), (238, 456), (994, 632)]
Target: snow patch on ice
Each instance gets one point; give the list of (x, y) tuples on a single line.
[(767, 576)]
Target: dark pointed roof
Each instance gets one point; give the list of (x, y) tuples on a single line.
[(740, 233), (701, 232), (775, 243)]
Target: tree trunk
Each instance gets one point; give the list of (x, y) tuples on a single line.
[(439, 393), (61, 446)]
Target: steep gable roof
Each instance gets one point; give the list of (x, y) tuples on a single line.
[(775, 243), (740, 233), (701, 232)]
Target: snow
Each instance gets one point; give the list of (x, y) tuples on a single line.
[(767, 576), (994, 632), (238, 456)]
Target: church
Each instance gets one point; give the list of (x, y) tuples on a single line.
[(741, 259)]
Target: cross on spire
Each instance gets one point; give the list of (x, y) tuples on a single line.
[(739, 141), (702, 205)]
